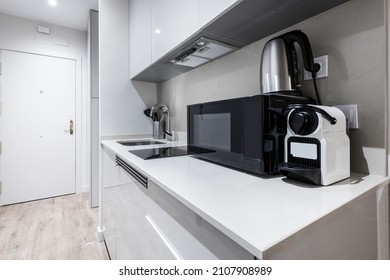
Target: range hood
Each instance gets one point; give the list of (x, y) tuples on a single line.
[(200, 52), (243, 23)]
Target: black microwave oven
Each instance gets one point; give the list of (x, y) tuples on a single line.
[(245, 133)]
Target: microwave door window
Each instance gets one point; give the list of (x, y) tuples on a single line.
[(213, 131)]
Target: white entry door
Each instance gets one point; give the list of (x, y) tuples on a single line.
[(38, 112)]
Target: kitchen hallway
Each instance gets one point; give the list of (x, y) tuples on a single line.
[(59, 228)]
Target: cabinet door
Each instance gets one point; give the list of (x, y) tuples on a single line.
[(140, 21), (190, 237), (211, 9), (129, 232), (173, 21), (148, 224)]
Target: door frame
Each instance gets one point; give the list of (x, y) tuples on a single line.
[(78, 127)]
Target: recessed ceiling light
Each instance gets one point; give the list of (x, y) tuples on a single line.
[(52, 2)]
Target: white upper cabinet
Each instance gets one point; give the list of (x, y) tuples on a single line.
[(177, 24), (211, 9), (140, 20), (173, 21), (158, 26)]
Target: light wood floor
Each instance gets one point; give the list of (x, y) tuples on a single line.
[(59, 228)]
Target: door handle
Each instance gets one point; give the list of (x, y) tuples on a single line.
[(71, 125)]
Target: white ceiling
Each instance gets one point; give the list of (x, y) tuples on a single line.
[(68, 13)]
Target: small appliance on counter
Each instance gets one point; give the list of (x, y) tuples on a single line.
[(279, 68), (244, 133), (248, 133), (317, 149)]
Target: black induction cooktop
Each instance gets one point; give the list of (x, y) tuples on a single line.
[(164, 152)]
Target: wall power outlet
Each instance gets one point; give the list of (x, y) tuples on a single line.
[(351, 114), (323, 72)]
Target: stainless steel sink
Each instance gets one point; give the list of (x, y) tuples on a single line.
[(139, 142)]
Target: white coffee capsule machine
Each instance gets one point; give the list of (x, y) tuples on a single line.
[(317, 149)]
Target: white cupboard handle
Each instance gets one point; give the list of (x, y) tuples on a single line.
[(160, 233)]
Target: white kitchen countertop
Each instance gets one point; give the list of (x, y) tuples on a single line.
[(256, 212)]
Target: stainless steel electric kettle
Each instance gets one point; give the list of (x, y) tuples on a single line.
[(279, 69)]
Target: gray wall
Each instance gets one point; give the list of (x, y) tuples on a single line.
[(353, 35)]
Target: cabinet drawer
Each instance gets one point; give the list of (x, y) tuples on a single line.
[(129, 234), (148, 223), (189, 234)]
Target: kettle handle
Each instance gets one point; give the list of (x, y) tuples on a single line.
[(299, 37)]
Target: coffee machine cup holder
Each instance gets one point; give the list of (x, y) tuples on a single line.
[(307, 174)]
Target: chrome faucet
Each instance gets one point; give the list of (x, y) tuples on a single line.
[(161, 122)]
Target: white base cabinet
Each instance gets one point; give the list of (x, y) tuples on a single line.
[(348, 234), (128, 231), (270, 218), (148, 223)]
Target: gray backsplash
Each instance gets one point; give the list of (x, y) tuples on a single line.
[(352, 35)]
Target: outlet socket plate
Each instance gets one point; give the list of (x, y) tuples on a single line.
[(351, 114), (323, 72)]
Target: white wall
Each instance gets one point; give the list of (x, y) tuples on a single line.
[(352, 35), (121, 101), (21, 35)]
